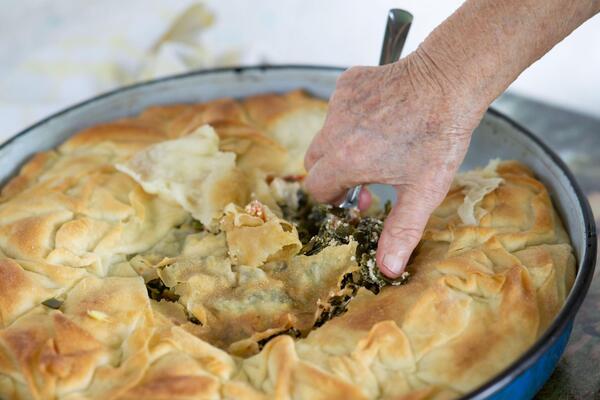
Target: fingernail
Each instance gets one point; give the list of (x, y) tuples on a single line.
[(393, 263)]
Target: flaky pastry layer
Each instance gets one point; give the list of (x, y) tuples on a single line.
[(75, 228)]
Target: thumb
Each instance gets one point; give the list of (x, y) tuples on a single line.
[(315, 151), (326, 181), (403, 229)]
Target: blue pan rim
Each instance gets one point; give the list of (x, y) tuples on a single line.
[(582, 283)]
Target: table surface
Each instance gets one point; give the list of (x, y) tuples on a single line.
[(576, 138)]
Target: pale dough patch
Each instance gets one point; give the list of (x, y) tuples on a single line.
[(190, 171), (476, 184)]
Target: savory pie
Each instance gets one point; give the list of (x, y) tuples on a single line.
[(175, 255)]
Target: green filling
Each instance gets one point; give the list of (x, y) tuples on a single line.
[(197, 225), (158, 291), (52, 303), (321, 225), (293, 332)]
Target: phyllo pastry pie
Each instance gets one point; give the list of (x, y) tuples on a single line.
[(176, 255)]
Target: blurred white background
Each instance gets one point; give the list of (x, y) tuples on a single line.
[(57, 52)]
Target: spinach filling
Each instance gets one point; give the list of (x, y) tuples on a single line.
[(158, 291), (322, 225), (53, 303), (293, 332)]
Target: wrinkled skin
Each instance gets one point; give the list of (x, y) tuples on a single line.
[(408, 124), (393, 125)]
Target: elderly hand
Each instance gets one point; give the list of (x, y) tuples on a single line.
[(408, 124), (401, 125)]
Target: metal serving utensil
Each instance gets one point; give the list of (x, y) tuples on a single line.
[(396, 31)]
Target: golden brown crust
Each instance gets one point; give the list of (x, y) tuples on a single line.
[(75, 229), (27, 175)]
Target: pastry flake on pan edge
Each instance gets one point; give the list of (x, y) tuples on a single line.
[(133, 267)]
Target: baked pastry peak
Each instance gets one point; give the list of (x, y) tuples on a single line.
[(175, 255)]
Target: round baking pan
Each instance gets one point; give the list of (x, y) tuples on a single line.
[(496, 137)]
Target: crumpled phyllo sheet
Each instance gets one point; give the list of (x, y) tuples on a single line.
[(192, 172), (476, 185), (256, 235), (237, 306), (254, 150)]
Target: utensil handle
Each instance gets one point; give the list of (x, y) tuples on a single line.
[(396, 31)]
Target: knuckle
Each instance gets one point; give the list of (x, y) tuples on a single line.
[(353, 70), (425, 193), (327, 134), (434, 195), (312, 152), (404, 234), (308, 162), (350, 73)]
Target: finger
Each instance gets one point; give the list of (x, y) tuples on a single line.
[(321, 143), (326, 182), (365, 198), (315, 151), (403, 229)]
